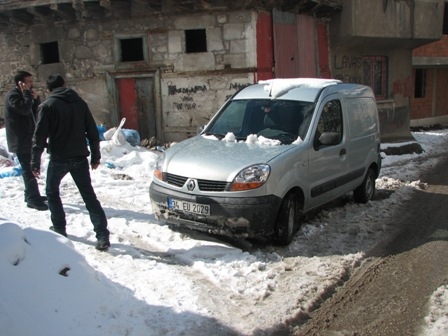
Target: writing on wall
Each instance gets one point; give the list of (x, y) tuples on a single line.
[(186, 98), (186, 103), (348, 68), (237, 86), (173, 89)]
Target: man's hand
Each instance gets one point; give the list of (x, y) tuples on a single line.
[(94, 165), (36, 173), (34, 93), (23, 86)]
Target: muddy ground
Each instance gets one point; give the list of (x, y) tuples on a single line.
[(389, 293)]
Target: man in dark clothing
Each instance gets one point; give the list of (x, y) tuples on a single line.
[(20, 121), (66, 121)]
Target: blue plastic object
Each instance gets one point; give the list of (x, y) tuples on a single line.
[(15, 171), (132, 136), (101, 130), (109, 165)]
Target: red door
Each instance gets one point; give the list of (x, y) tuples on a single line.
[(136, 104), (128, 102)]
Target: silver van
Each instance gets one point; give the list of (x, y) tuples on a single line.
[(274, 151)]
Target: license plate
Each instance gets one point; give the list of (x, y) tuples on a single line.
[(196, 208)]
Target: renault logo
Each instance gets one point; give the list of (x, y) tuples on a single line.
[(191, 185)]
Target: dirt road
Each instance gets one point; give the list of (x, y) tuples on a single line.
[(389, 293)]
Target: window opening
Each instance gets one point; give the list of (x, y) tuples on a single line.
[(420, 83), (49, 52), (375, 75), (195, 41), (331, 120), (132, 49)]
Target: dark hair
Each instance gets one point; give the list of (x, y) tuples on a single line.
[(55, 81), (20, 76)]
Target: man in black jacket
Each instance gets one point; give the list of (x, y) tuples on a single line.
[(65, 120), (20, 121)]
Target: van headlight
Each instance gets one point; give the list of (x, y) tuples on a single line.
[(251, 177), (158, 169)]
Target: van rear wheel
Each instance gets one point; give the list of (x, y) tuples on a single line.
[(289, 219), (366, 190)]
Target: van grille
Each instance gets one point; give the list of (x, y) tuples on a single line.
[(176, 180), (207, 185), (204, 185)]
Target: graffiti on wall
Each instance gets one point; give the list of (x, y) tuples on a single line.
[(348, 68), (237, 86), (185, 96), (173, 89), (402, 86), (185, 100), (186, 103)]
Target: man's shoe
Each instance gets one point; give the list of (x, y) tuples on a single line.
[(37, 204), (61, 231), (42, 198), (102, 245)]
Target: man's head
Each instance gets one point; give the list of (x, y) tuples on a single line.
[(23, 76), (55, 81)]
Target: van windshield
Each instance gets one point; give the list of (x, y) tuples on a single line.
[(283, 120)]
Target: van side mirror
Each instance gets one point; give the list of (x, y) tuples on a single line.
[(327, 139)]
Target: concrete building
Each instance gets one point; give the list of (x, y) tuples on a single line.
[(429, 103), (168, 65)]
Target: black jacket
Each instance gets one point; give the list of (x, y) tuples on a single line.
[(66, 121), (20, 120)]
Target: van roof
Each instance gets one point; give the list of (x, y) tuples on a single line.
[(302, 89)]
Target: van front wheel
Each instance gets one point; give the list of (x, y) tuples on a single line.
[(366, 190), (288, 219)]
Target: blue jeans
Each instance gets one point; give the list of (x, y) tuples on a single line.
[(79, 170), (31, 188)]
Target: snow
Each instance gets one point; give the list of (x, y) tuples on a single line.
[(156, 281), (279, 86)]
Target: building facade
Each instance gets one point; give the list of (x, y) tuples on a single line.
[(168, 66), (429, 104)]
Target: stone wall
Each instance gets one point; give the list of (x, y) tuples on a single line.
[(192, 85)]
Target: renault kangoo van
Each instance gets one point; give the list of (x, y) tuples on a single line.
[(274, 151)]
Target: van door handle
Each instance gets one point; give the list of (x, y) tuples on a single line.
[(342, 152)]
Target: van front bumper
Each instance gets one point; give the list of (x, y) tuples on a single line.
[(240, 217)]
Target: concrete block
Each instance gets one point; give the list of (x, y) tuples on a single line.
[(196, 62), (214, 39), (175, 41), (234, 31), (195, 22)]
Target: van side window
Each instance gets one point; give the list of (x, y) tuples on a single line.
[(330, 123)]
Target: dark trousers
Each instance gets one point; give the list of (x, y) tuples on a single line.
[(79, 170), (31, 188)]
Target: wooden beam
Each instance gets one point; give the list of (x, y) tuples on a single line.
[(41, 13), (64, 12)]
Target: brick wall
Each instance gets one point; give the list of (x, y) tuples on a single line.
[(435, 49)]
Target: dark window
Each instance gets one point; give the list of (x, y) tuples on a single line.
[(330, 120), (195, 41), (374, 70), (132, 49), (49, 52), (420, 83)]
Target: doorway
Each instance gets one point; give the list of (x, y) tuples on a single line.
[(136, 103)]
